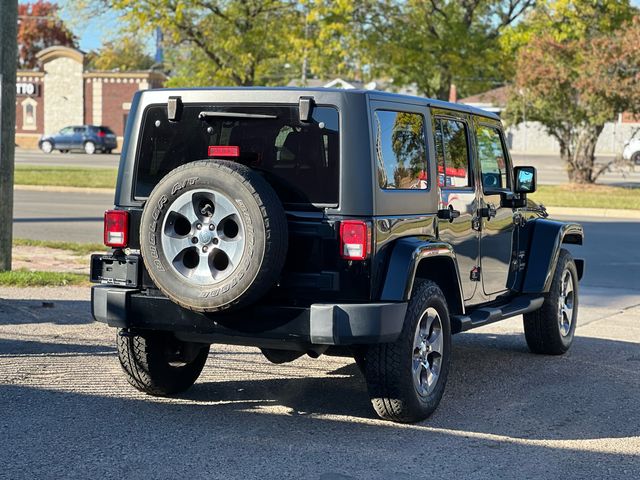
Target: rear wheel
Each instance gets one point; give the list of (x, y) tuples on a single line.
[(89, 148), (551, 328), (635, 158), (406, 379), (159, 364)]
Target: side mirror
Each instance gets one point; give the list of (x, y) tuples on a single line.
[(525, 179)]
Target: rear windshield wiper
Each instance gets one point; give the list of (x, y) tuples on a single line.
[(203, 115)]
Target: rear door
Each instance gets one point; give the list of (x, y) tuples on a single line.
[(452, 134), (300, 160), (498, 228)]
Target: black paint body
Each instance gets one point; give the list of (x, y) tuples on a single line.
[(503, 259)]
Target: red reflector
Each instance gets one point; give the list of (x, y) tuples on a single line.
[(224, 151), (354, 240), (116, 228)]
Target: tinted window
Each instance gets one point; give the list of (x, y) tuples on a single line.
[(300, 160), (106, 130), (452, 152), (492, 158), (401, 150)]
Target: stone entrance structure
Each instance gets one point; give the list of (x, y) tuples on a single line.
[(62, 93)]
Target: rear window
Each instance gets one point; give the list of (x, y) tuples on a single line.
[(105, 130), (299, 159)]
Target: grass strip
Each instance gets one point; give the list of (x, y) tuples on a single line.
[(79, 248), (65, 176), (588, 196), (25, 278)]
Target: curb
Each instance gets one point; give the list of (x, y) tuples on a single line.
[(593, 212), (51, 188)]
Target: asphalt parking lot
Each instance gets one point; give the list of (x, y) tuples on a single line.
[(67, 411)]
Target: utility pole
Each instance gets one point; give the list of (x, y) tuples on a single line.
[(8, 61)]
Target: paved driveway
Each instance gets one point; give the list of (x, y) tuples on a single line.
[(67, 411)]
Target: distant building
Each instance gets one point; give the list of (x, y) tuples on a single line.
[(494, 100), (62, 93)]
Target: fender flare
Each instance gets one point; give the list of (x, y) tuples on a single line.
[(546, 239), (407, 255)]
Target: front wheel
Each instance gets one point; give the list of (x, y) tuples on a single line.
[(635, 158), (551, 328), (89, 148), (46, 146), (159, 364), (406, 379)]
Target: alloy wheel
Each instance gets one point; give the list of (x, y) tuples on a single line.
[(203, 236), (566, 303), (427, 352)]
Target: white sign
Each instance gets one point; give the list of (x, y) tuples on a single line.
[(26, 89)]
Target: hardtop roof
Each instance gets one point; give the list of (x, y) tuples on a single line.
[(372, 94)]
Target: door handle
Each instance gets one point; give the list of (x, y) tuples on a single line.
[(448, 214), (488, 212)]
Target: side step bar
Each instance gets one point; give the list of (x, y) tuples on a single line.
[(485, 315)]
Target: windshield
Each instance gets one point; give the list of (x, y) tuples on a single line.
[(299, 159)]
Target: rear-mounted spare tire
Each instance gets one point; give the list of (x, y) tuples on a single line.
[(213, 235)]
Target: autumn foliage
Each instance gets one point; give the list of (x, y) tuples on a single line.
[(573, 86), (40, 27)]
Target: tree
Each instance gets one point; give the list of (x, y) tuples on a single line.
[(335, 36), (578, 69), (433, 44), (220, 42), (40, 27), (126, 53)]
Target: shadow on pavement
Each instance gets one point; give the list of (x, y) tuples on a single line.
[(29, 347), (506, 413), (62, 312)]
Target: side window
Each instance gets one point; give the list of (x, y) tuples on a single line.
[(401, 150), (452, 152), (492, 158), (66, 131)]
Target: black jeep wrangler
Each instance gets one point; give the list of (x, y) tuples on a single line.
[(300, 221)]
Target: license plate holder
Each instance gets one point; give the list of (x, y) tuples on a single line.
[(121, 271)]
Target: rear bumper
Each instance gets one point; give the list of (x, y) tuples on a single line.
[(261, 325)]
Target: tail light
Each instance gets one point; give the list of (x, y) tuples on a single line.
[(116, 228), (355, 240), (101, 134)]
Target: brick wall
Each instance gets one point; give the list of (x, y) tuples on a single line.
[(116, 98)]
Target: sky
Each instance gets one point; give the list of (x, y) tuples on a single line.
[(93, 32)]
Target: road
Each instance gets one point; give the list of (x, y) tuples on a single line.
[(72, 216), (36, 157)]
